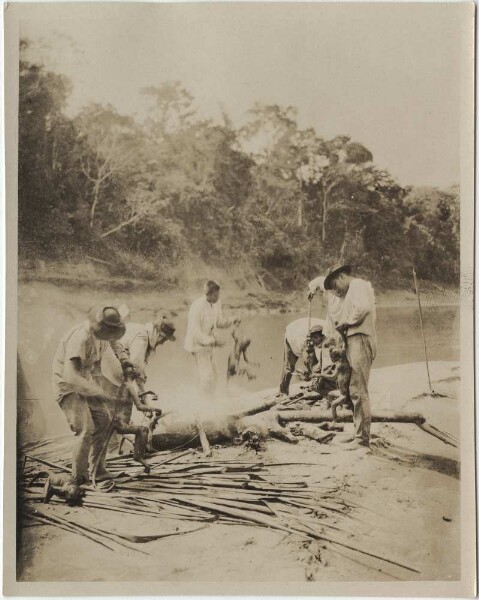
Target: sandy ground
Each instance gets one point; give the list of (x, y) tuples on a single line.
[(407, 486)]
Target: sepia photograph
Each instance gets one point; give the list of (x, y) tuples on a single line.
[(239, 291)]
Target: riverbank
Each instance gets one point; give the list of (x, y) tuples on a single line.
[(407, 493), (238, 293)]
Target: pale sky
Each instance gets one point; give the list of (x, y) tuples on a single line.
[(387, 75)]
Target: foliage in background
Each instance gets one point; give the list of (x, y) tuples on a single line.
[(145, 196)]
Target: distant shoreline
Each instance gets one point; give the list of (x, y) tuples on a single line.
[(252, 299)]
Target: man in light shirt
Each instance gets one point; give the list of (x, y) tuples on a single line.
[(296, 336), (205, 317), (78, 389), (357, 324)]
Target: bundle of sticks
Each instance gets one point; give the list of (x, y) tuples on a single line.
[(181, 486)]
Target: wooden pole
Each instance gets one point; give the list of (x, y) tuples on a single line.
[(422, 330), (300, 200)]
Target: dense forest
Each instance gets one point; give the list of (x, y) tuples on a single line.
[(147, 196)]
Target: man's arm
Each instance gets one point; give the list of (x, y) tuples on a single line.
[(360, 303), (120, 351), (75, 357), (138, 350), (72, 376), (223, 322)]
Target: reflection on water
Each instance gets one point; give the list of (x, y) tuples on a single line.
[(399, 341)]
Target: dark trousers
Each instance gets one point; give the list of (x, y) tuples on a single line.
[(289, 364)]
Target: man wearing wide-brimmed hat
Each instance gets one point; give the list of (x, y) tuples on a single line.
[(78, 390), (356, 322)]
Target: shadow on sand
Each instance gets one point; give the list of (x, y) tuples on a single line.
[(440, 464)]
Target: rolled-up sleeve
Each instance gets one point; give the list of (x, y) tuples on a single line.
[(138, 351), (120, 351)]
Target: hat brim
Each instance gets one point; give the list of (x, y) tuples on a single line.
[(109, 332), (328, 280)]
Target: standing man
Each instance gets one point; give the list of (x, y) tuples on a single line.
[(204, 319), (77, 387), (296, 337), (357, 324)]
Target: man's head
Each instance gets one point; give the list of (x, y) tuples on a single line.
[(212, 291), (317, 336), (165, 331), (338, 279), (107, 323)]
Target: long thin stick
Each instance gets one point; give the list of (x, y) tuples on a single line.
[(422, 329), (309, 314), (48, 464)]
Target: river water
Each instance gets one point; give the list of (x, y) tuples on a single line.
[(400, 341), (171, 372)]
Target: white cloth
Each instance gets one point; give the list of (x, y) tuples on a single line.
[(204, 319), (297, 331), (334, 314), (316, 284), (207, 371), (359, 309), (334, 303)]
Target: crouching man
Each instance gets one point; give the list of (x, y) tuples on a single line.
[(300, 341), (76, 377)]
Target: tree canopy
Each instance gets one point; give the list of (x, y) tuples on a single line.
[(283, 200)]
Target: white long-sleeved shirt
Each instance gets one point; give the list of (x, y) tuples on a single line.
[(359, 309), (204, 319)]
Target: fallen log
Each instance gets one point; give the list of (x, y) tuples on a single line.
[(320, 415)]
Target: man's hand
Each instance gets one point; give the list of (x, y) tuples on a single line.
[(129, 370), (342, 328)]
